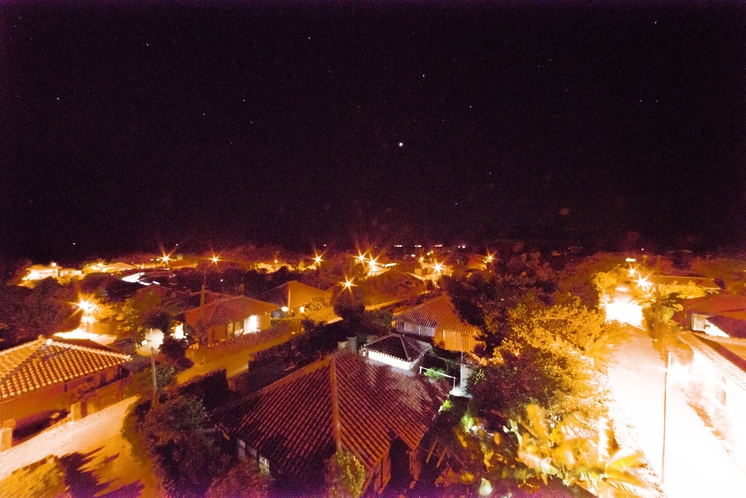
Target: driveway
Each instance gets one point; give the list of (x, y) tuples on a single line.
[(696, 464), (97, 434)]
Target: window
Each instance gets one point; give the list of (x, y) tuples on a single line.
[(263, 465)]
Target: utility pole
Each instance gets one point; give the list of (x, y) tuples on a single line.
[(658, 333), (155, 383)]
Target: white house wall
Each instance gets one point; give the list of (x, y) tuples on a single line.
[(388, 360)]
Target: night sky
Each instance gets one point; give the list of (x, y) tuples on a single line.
[(126, 126)]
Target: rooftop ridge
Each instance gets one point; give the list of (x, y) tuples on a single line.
[(39, 343), (92, 350), (336, 424)]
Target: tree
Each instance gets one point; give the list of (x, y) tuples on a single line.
[(485, 303), (142, 382), (184, 457), (345, 475), (572, 451), (349, 305), (243, 480)]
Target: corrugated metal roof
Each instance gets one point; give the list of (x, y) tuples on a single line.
[(223, 311), (46, 362), (291, 422), (400, 347)]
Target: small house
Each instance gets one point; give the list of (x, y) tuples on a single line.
[(224, 319), (342, 402), (438, 320)]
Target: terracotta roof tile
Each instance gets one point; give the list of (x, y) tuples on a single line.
[(46, 362), (400, 347), (291, 422), (223, 311), (437, 313)]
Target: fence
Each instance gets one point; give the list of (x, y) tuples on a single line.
[(202, 354)]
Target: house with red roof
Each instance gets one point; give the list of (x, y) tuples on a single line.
[(342, 402), (293, 297), (437, 320), (697, 313), (397, 350), (224, 319), (44, 375)]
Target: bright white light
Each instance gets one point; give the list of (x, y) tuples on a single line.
[(179, 332), (623, 309), (401, 144)]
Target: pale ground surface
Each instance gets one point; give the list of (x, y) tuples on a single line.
[(100, 431), (697, 464)]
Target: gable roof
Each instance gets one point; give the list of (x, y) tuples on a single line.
[(717, 304), (400, 347), (438, 313), (223, 311), (46, 362), (727, 354), (343, 400), (293, 294)]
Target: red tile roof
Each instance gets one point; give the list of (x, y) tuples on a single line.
[(400, 347), (439, 314), (731, 326), (294, 294), (223, 311), (343, 399), (46, 362)]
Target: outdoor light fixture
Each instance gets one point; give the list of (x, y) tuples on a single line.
[(485, 487), (215, 259), (318, 259)]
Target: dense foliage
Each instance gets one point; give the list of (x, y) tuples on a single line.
[(345, 476)]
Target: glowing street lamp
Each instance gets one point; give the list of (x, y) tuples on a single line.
[(318, 259), (489, 258), (643, 283), (348, 283), (360, 258), (215, 259), (437, 267), (165, 259)]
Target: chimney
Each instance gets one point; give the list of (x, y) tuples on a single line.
[(352, 344)]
